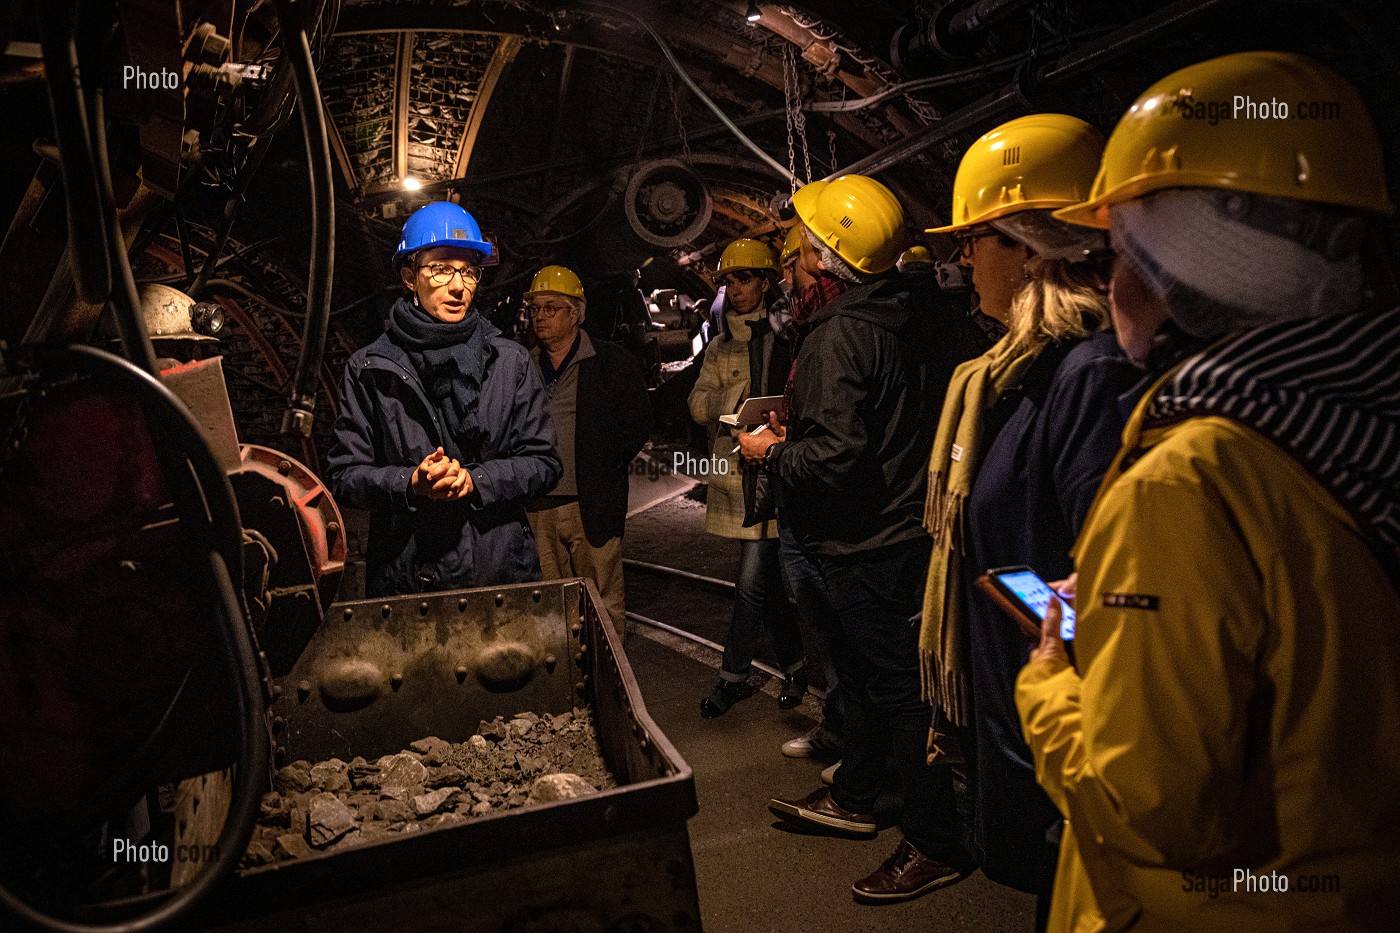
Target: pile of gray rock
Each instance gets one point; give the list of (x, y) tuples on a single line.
[(509, 763)]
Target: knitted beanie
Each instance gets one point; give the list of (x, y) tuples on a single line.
[(1225, 261)]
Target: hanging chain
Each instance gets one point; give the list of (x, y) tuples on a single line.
[(796, 119), (788, 95), (680, 123), (831, 146)]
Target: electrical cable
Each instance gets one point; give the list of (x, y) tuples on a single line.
[(695, 88), (99, 249), (186, 255), (897, 90), (91, 263), (1008, 99), (125, 299), (300, 412)]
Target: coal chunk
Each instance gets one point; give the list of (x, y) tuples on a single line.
[(562, 786), (330, 819)]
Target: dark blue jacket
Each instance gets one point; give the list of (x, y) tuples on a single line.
[(1049, 441), (386, 427)]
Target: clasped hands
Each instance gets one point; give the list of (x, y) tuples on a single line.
[(441, 478)]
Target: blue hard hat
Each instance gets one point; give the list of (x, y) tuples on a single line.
[(440, 224)]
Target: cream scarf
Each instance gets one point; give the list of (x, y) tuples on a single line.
[(957, 450)]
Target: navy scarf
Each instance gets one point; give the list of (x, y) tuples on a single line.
[(1326, 390), (451, 361)]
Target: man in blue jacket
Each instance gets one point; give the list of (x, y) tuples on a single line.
[(444, 430)]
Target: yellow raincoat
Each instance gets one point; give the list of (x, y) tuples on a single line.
[(1236, 707)]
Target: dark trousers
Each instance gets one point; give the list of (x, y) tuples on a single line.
[(760, 602), (816, 617), (875, 595)]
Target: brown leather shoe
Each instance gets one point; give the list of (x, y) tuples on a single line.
[(905, 875), (819, 809)]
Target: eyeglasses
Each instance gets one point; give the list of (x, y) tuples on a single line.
[(965, 240), (545, 312), (440, 273), (739, 277)]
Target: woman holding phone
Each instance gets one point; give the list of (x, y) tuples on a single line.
[(1234, 711), (1026, 433)]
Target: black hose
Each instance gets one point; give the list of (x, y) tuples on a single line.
[(182, 230), (301, 407), (247, 788), (126, 300), (99, 248), (211, 258), (219, 530), (92, 273)]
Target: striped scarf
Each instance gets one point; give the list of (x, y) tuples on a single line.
[(1326, 391)]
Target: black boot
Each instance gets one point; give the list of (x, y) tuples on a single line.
[(725, 694), (794, 686)]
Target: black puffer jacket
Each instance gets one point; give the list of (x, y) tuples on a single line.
[(868, 392)]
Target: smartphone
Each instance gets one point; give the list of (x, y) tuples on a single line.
[(1023, 595)]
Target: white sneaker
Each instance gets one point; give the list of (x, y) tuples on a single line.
[(818, 743)]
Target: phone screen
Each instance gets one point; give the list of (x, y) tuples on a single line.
[(1036, 594)]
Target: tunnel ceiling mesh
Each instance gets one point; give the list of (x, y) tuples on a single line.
[(359, 91), (445, 73)]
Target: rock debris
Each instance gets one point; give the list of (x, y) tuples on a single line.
[(521, 761)]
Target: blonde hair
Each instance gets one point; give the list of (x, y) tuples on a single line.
[(1059, 300)]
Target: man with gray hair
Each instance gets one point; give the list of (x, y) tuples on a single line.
[(602, 416)]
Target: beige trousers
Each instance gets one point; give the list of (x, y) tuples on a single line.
[(565, 552)]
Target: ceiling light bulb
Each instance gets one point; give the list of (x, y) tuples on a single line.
[(411, 184), (754, 14)]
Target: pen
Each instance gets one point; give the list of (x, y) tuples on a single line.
[(758, 430)]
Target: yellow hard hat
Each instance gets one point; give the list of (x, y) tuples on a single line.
[(555, 279), (1271, 123), (747, 254), (792, 244), (859, 218), (914, 255), (1038, 162)]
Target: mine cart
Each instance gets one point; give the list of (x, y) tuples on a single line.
[(382, 673)]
